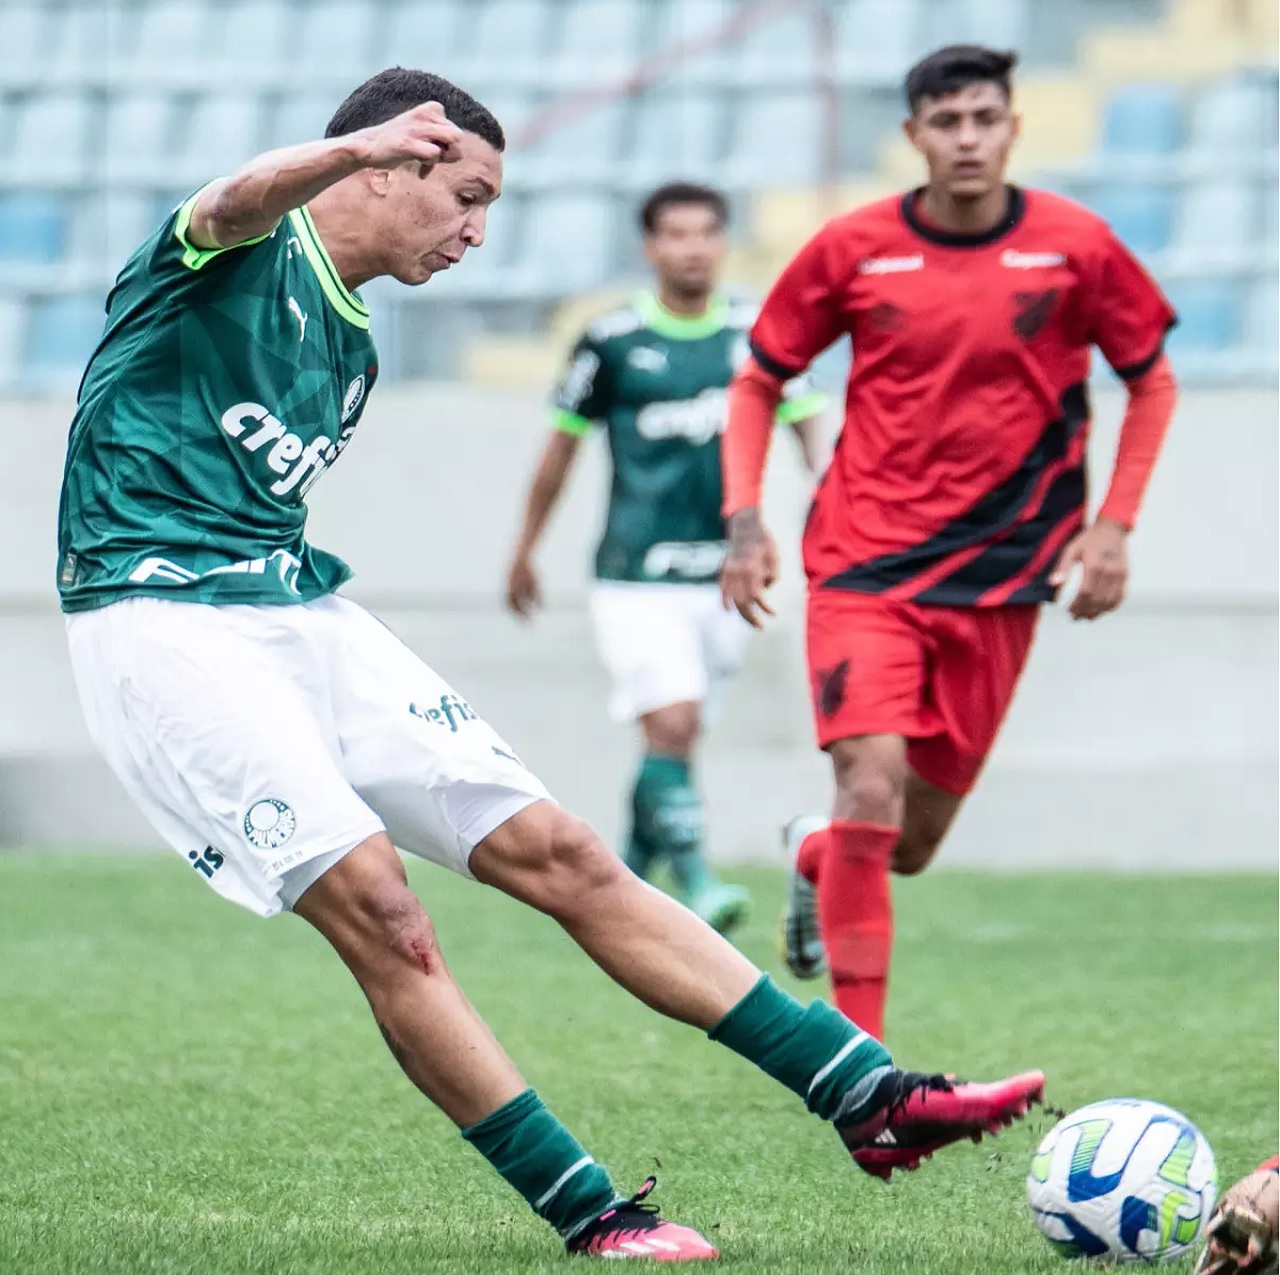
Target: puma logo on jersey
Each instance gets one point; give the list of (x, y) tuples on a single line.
[(298, 464), (697, 419), (301, 315)]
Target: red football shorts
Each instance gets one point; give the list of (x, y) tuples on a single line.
[(942, 677)]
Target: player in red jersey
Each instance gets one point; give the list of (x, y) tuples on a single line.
[(955, 502)]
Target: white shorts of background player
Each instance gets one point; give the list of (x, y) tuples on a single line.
[(265, 742), (665, 644)]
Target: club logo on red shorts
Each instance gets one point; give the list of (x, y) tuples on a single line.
[(831, 685)]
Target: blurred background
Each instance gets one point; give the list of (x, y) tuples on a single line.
[(1148, 740)]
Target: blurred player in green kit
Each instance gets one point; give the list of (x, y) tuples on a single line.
[(654, 376)]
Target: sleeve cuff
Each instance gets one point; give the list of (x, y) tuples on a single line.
[(570, 423), (800, 408), (193, 256)]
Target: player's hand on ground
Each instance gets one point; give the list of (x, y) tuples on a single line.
[(1102, 554), (1242, 1232), (422, 133), (524, 593), (750, 568)]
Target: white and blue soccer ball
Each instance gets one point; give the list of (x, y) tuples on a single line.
[(1124, 1181)]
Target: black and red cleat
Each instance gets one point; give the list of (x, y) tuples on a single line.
[(634, 1229), (921, 1114)]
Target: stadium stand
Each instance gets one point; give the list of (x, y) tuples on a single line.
[(109, 114)]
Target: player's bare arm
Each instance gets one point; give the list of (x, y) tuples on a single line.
[(250, 202), (524, 592), (812, 442)]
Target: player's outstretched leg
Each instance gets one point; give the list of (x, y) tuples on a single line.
[(364, 907), (804, 841), (668, 958)]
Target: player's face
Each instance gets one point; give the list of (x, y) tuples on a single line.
[(965, 138), (686, 248), (432, 218)]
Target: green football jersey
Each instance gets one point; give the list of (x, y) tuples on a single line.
[(226, 382), (658, 384)]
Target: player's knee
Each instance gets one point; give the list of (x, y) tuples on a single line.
[(548, 859), (869, 785), (672, 731), (395, 932)]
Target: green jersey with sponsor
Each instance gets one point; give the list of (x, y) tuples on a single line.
[(657, 383), (226, 382)]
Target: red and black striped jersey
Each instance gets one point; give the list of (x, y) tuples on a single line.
[(959, 472)]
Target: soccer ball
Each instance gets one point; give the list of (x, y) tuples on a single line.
[(1125, 1180)]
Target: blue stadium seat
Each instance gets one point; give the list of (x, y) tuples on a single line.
[(50, 145), (13, 322), (1219, 220), (877, 40), (782, 50), (255, 40), (24, 43), (510, 39), (1142, 216), (87, 42), (599, 40), (435, 45), (570, 242), (334, 38), (33, 227), (679, 134), (170, 44), (1143, 119), (221, 133), (776, 140), (585, 150), (1262, 315), (301, 117), (138, 137), (1208, 315), (1236, 115), (1000, 24), (62, 332)]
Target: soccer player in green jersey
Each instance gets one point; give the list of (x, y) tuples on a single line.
[(284, 742), (654, 376)]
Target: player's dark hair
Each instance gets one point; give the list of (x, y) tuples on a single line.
[(674, 193), (397, 89), (955, 67)]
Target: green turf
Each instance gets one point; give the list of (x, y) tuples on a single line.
[(184, 1088)]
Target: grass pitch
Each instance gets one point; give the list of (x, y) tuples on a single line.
[(184, 1088)]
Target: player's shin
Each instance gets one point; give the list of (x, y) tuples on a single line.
[(831, 1063), (537, 1156), (669, 818), (855, 910)]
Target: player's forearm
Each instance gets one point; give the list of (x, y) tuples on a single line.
[(251, 201), (1152, 398), (809, 435), (545, 490), (754, 396)]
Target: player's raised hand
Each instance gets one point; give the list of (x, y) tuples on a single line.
[(750, 568), (422, 133), (1102, 554), (524, 592)]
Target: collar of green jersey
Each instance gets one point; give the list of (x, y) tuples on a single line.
[(682, 327), (345, 302)]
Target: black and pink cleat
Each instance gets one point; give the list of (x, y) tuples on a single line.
[(634, 1229), (924, 1113)]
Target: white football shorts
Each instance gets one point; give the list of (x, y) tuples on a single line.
[(266, 742), (665, 644)]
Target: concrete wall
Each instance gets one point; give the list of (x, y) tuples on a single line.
[(1147, 740)]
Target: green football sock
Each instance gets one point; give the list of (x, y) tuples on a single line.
[(544, 1162), (668, 817), (816, 1052)]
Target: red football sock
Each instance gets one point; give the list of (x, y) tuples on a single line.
[(809, 856), (855, 911)]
